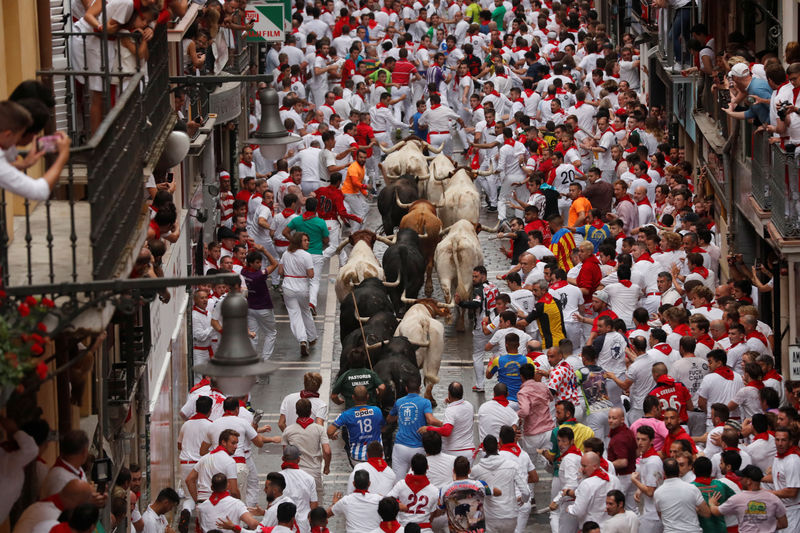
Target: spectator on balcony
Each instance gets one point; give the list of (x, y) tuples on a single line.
[(218, 50), (746, 85), (43, 515), (226, 199), (194, 45), (164, 224), (15, 121), (40, 113)]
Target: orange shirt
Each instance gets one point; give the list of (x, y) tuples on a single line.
[(354, 179), (578, 205)]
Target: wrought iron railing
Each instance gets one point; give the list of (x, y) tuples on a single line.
[(785, 187), (80, 233), (761, 171), (712, 99), (663, 22), (239, 59)]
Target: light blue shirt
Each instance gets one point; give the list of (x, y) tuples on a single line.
[(410, 411)]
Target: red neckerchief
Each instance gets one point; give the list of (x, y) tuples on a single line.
[(435, 106), (416, 483), (646, 178), (378, 463), (733, 477), (682, 330), (511, 447), (289, 465), (546, 299), (319, 529), (304, 421), (62, 527), (644, 201), (626, 283), (601, 474), (308, 394), (502, 400), (703, 271), (199, 416), (479, 106), (650, 452), (706, 340), (794, 450), (725, 372), (381, 106), (389, 527), (56, 500), (761, 436), (579, 103), (202, 383), (529, 92), (558, 284), (288, 180), (703, 480), (68, 467), (625, 198), (201, 311), (287, 213), (757, 384), (572, 449), (509, 141), (219, 448), (248, 165), (645, 257), (664, 348), (213, 262), (217, 496), (773, 374), (495, 93)]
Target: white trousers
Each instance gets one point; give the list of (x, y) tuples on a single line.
[(479, 340), (501, 525), (262, 322), (443, 139), (627, 488), (555, 516), (313, 291), (199, 357), (335, 238), (598, 422), (356, 205), (300, 320), (401, 459), (651, 303), (650, 525), (523, 513), (242, 479), (532, 443), (309, 186), (567, 523), (188, 503), (574, 332), (253, 489)]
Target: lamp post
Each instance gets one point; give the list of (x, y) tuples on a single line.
[(271, 137), (235, 365)]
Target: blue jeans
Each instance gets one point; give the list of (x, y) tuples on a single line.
[(681, 26)]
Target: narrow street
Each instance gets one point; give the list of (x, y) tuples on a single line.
[(324, 358)]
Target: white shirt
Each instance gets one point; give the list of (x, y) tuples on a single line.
[(571, 299), (461, 415), (189, 408), (499, 472), (213, 463), (12, 470), (191, 437), (246, 434), (677, 502), (492, 416), (762, 452), (302, 490), (640, 372), (60, 474), (716, 389), (202, 332), (590, 500), (420, 504), (208, 513), (440, 469), (626, 522), (319, 408), (360, 511), (296, 264), (271, 513), (380, 482), (19, 183), (35, 514), (156, 523), (624, 300), (690, 371), (715, 459), (498, 339), (786, 473), (651, 472)]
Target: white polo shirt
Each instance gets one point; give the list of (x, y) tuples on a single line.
[(786, 473), (677, 502), (651, 474), (360, 511), (154, 522), (381, 482), (246, 434), (211, 510), (191, 436), (492, 416), (762, 452), (215, 462), (461, 415), (59, 475)]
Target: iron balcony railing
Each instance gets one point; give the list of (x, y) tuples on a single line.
[(785, 188), (81, 232), (712, 99), (239, 59), (761, 171), (664, 23)]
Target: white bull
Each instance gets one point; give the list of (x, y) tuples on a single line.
[(455, 257), (420, 326), (460, 199), (406, 157), (440, 170), (361, 264)]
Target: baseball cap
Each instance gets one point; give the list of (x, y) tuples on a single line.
[(751, 472), (601, 295), (740, 70)]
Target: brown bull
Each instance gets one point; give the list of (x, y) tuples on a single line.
[(422, 218)]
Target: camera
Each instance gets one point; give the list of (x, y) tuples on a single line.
[(782, 109)]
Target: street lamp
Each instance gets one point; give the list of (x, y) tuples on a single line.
[(235, 364), (271, 137)]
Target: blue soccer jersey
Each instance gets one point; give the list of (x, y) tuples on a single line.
[(364, 423)]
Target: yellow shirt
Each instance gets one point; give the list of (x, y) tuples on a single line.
[(354, 179), (580, 204)]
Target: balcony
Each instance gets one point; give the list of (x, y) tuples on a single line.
[(785, 192), (85, 231)]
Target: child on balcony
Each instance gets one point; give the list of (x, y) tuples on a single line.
[(133, 52), (194, 50)]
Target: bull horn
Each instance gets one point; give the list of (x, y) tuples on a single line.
[(451, 305), (363, 319), (430, 157), (493, 229), (487, 172), (424, 235), (406, 300), (444, 231), (433, 149), (400, 204), (423, 344), (393, 148), (386, 240), (341, 246), (395, 283), (374, 346)]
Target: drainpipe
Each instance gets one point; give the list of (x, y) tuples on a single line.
[(45, 50)]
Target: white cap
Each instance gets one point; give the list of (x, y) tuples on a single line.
[(740, 70)]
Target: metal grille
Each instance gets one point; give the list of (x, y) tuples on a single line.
[(786, 198)]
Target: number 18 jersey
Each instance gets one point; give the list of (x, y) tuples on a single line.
[(364, 423)]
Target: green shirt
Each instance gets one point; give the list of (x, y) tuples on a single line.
[(347, 382), (497, 16), (316, 230), (714, 524)]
